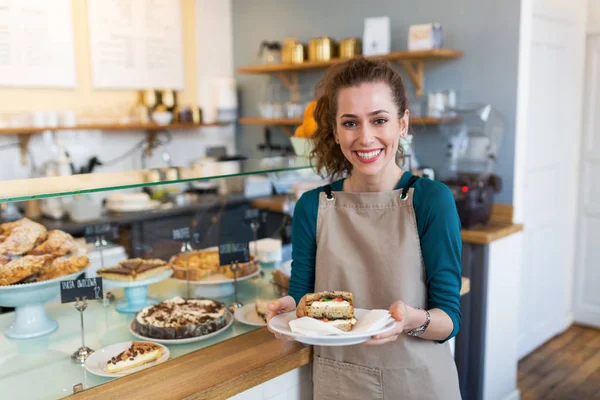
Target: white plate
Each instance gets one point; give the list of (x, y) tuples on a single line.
[(219, 279), (96, 362), (281, 324), (229, 318), (247, 315)]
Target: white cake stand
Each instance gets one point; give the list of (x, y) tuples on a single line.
[(136, 292), (217, 285), (28, 299)]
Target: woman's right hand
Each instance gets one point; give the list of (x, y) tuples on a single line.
[(283, 305)]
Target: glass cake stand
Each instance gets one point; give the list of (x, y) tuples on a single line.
[(29, 299), (136, 292)]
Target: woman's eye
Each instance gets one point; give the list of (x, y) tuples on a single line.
[(380, 121), (349, 124)]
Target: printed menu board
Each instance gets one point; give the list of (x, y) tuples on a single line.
[(136, 44), (36, 44)]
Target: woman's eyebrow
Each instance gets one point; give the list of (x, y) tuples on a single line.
[(371, 113)]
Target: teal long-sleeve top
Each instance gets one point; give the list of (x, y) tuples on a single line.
[(438, 226)]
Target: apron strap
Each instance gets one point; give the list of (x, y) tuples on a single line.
[(328, 192), (411, 181)]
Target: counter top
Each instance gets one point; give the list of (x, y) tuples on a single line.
[(237, 359)]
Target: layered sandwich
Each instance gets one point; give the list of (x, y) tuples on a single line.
[(333, 307)]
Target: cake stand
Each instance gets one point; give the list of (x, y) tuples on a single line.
[(28, 299), (136, 292), (217, 285)]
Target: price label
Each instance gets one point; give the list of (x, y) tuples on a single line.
[(234, 252), (90, 288), (106, 230), (251, 214), (182, 234)]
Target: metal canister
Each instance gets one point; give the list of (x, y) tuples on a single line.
[(168, 98), (322, 49), (293, 52), (350, 47)]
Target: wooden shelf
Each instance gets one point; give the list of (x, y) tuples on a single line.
[(438, 54), (271, 121), (413, 63), (105, 127), (298, 121)]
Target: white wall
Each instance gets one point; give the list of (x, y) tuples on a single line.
[(214, 44), (593, 25)]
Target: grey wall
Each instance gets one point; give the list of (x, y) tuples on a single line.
[(486, 31)]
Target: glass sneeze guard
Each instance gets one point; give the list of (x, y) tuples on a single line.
[(35, 188)]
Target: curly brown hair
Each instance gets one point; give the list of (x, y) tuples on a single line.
[(326, 155)]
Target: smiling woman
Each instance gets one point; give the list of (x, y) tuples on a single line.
[(386, 236)]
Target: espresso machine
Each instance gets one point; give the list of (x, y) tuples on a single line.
[(472, 149)]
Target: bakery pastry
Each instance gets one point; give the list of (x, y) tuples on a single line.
[(62, 266), (138, 354), (21, 237), (179, 318), (21, 268), (261, 308), (58, 243), (201, 264), (333, 307), (204, 263), (245, 269), (134, 269)]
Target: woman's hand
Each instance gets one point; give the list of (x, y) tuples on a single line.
[(399, 311), (283, 305)]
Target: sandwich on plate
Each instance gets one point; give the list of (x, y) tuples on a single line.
[(333, 307)]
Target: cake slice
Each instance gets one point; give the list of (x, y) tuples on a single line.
[(138, 354), (261, 308), (133, 269)]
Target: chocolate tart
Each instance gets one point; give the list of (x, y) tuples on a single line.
[(179, 318)]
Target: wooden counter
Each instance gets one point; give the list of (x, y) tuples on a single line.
[(499, 226), (216, 372)]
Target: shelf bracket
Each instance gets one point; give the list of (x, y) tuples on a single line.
[(291, 82), (416, 73), (287, 130), (23, 146), (151, 138)]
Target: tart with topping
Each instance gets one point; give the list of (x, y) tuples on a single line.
[(137, 354), (179, 318)]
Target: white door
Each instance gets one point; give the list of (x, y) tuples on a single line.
[(587, 285), (551, 65)]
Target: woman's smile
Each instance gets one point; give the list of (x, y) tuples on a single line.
[(368, 156)]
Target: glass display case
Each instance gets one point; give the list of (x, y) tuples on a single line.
[(159, 240)]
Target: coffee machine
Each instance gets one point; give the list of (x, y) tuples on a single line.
[(472, 149)]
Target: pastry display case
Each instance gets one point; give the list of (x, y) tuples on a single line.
[(188, 267)]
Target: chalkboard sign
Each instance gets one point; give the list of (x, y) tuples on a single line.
[(90, 288), (234, 252), (251, 214), (181, 234), (106, 230)]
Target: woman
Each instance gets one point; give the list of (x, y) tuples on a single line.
[(385, 235)]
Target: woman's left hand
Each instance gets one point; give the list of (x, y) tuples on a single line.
[(399, 312)]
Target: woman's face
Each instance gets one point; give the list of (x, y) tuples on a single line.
[(368, 127)]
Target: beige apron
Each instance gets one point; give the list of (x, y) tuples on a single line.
[(368, 243)]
